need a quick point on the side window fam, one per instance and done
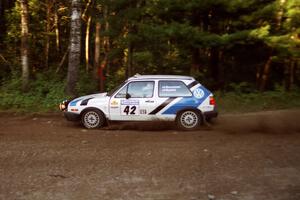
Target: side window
(141, 89)
(122, 93)
(173, 89)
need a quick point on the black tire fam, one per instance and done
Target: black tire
(188, 120)
(92, 118)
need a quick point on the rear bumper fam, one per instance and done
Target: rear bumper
(72, 116)
(211, 114)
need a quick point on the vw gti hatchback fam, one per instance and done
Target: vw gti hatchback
(181, 99)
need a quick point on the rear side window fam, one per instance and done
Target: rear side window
(142, 89)
(139, 89)
(173, 89)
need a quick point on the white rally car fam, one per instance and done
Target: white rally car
(181, 99)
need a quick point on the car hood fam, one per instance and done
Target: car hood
(87, 97)
(98, 95)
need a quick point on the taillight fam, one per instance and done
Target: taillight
(212, 101)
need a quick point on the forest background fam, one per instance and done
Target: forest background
(247, 52)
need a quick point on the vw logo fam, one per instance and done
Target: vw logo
(198, 93)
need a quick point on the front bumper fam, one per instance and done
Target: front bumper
(72, 116)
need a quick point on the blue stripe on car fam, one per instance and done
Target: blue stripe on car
(74, 102)
(188, 102)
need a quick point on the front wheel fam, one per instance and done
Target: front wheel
(188, 120)
(92, 119)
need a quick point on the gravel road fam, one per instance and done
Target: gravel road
(254, 156)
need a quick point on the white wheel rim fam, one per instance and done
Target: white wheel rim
(91, 119)
(189, 119)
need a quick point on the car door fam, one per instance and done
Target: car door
(134, 101)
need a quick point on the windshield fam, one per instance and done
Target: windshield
(115, 89)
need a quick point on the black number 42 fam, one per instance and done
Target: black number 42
(129, 110)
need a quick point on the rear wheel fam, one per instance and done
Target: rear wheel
(188, 120)
(93, 118)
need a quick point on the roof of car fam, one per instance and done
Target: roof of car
(138, 76)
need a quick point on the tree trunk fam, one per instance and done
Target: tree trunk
(292, 73)
(279, 14)
(214, 66)
(106, 46)
(289, 75)
(221, 69)
(258, 75)
(84, 15)
(97, 50)
(47, 38)
(24, 44)
(88, 19)
(2, 20)
(217, 70)
(87, 44)
(102, 73)
(56, 24)
(262, 74)
(128, 60)
(195, 67)
(265, 75)
(75, 47)
(62, 61)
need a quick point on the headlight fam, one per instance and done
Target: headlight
(63, 106)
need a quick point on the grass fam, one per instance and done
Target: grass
(232, 102)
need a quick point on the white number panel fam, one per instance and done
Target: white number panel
(130, 107)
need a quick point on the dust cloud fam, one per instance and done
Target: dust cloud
(273, 122)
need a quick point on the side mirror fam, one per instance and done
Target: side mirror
(127, 96)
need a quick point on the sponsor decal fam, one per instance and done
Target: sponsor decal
(170, 88)
(198, 93)
(130, 102)
(114, 103)
(143, 111)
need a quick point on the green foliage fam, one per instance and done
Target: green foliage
(241, 88)
(13, 17)
(45, 94)
(235, 101)
(86, 85)
(113, 81)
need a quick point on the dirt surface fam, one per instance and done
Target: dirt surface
(247, 156)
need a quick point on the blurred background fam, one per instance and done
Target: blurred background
(247, 52)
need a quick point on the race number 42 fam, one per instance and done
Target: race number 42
(130, 110)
